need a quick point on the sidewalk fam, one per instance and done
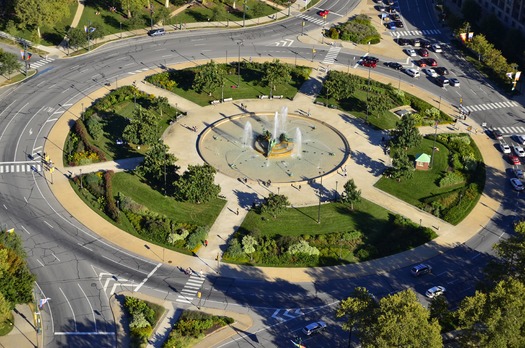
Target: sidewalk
(24, 333)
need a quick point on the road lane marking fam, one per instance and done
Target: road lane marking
(24, 227)
(90, 306)
(147, 277)
(101, 333)
(47, 223)
(70, 307)
(52, 253)
(40, 262)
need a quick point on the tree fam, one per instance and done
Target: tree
(76, 37)
(402, 167)
(494, 319)
(511, 257)
(406, 134)
(208, 78)
(274, 204)
(351, 193)
(218, 12)
(248, 244)
(8, 63)
(132, 6)
(197, 184)
(156, 162)
(5, 309)
(358, 310)
(142, 128)
(377, 104)
(36, 13)
(258, 10)
(339, 85)
(439, 310)
(400, 321)
(276, 73)
(303, 248)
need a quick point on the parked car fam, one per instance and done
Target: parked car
(441, 70)
(504, 148)
(395, 17)
(514, 159)
(519, 174)
(420, 269)
(422, 63)
(430, 72)
(436, 48)
(313, 328)
(157, 32)
(518, 150)
(416, 42)
(497, 134)
(442, 81)
(410, 52)
(323, 13)
(425, 43)
(399, 24)
(369, 63)
(431, 62)
(394, 65)
(402, 42)
(454, 82)
(516, 184)
(436, 291)
(391, 25)
(520, 139)
(423, 52)
(370, 58)
(412, 72)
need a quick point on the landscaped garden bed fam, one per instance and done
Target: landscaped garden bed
(143, 316)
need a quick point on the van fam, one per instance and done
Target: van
(312, 328)
(420, 270)
(157, 32)
(442, 81)
(412, 72)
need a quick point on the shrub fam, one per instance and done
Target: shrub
(178, 236)
(451, 178)
(197, 237)
(94, 127)
(303, 248)
(111, 207)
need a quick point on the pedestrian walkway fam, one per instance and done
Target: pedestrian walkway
(20, 167)
(191, 288)
(429, 32)
(331, 55)
(491, 106)
(23, 334)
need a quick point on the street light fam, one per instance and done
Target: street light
(151, 14)
(243, 13)
(319, 208)
(240, 43)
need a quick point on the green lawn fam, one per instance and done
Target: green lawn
(7, 326)
(425, 181)
(198, 214)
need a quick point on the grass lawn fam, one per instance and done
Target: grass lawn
(198, 214)
(7, 326)
(425, 181)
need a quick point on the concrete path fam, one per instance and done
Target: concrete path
(23, 334)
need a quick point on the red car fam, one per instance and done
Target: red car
(422, 63)
(431, 62)
(514, 160)
(369, 63)
(423, 52)
(323, 13)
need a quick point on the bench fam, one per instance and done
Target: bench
(263, 97)
(214, 102)
(277, 97)
(227, 99)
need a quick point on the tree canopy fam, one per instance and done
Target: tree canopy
(276, 73)
(351, 194)
(197, 184)
(142, 128)
(208, 77)
(35, 13)
(406, 134)
(157, 162)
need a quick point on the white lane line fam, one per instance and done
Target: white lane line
(40, 262)
(25, 229)
(70, 307)
(83, 246)
(100, 333)
(90, 306)
(52, 253)
(4, 206)
(51, 120)
(47, 223)
(147, 277)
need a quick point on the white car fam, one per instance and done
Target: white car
(312, 328)
(518, 150)
(435, 291)
(412, 72)
(430, 72)
(410, 52)
(436, 48)
(516, 184)
(454, 82)
(505, 148)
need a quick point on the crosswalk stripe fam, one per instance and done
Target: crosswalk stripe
(500, 105)
(12, 168)
(483, 106)
(182, 300)
(1, 169)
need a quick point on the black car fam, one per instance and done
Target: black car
(441, 70)
(425, 44)
(399, 24)
(395, 17)
(415, 42)
(394, 65)
(402, 42)
(370, 59)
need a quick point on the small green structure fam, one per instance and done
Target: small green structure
(422, 161)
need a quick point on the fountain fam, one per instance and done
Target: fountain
(273, 146)
(247, 138)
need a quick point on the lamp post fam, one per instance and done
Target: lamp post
(243, 13)
(289, 7)
(434, 145)
(151, 14)
(368, 90)
(302, 27)
(319, 207)
(81, 187)
(240, 43)
(120, 23)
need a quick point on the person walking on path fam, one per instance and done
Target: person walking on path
(205, 242)
(237, 211)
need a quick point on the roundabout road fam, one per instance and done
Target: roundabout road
(79, 271)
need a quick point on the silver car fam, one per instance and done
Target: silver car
(435, 291)
(312, 328)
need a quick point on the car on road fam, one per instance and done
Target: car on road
(516, 184)
(505, 148)
(421, 269)
(399, 24)
(391, 25)
(157, 32)
(422, 63)
(394, 65)
(497, 134)
(410, 52)
(435, 291)
(519, 174)
(416, 42)
(454, 82)
(518, 150)
(369, 63)
(389, 2)
(425, 43)
(513, 159)
(520, 139)
(436, 48)
(323, 13)
(441, 70)
(423, 52)
(313, 328)
(442, 81)
(395, 17)
(370, 58)
(402, 42)
(431, 62)
(412, 72)
(430, 72)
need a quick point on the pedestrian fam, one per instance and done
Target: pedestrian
(205, 243)
(299, 187)
(237, 211)
(201, 273)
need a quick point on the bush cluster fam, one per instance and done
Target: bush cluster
(142, 317)
(79, 149)
(358, 29)
(111, 206)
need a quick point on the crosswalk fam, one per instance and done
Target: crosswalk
(41, 62)
(510, 130)
(191, 288)
(316, 20)
(399, 33)
(24, 167)
(331, 55)
(490, 106)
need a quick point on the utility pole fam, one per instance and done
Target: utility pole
(151, 14)
(319, 207)
(240, 43)
(243, 13)
(434, 145)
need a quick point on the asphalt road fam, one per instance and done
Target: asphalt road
(78, 271)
